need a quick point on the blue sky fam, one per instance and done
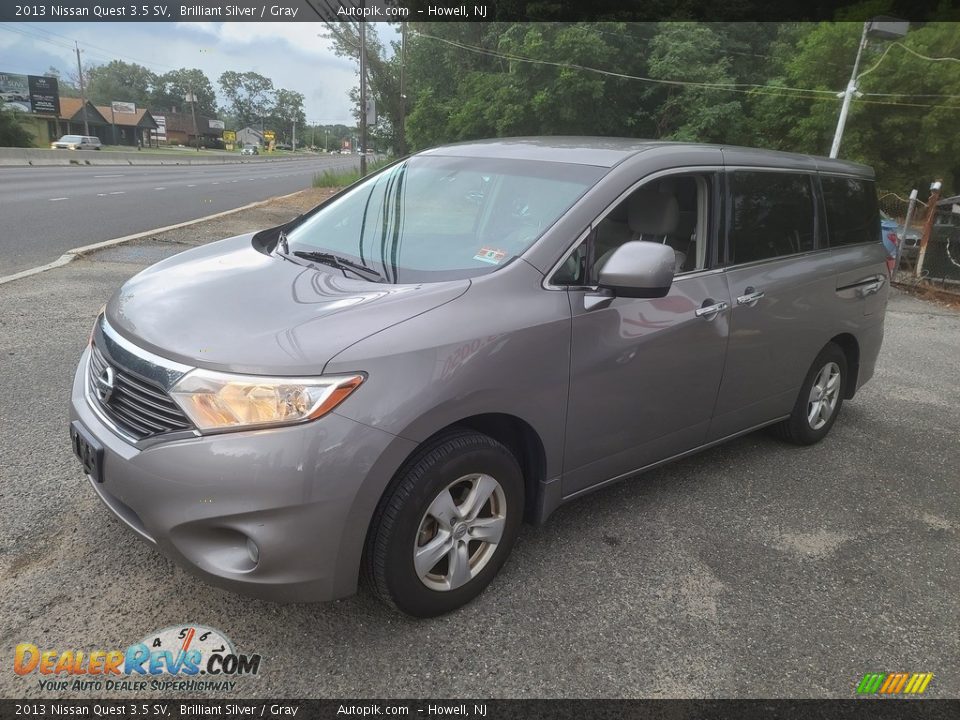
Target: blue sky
(290, 54)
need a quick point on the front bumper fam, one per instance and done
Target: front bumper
(303, 494)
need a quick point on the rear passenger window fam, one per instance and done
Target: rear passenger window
(771, 215)
(852, 212)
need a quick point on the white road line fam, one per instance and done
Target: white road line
(216, 183)
(101, 194)
(55, 199)
(106, 176)
(160, 188)
(118, 192)
(233, 181)
(191, 185)
(72, 255)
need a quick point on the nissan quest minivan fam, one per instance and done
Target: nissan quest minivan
(389, 385)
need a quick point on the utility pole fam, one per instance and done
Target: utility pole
(848, 94)
(906, 227)
(402, 144)
(363, 91)
(83, 97)
(881, 28)
(293, 145)
(193, 111)
(928, 225)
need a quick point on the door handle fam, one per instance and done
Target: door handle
(709, 312)
(751, 298)
(872, 287)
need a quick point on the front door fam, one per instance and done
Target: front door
(644, 373)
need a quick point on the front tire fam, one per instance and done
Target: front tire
(820, 399)
(446, 525)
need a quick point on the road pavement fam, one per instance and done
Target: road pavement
(755, 569)
(45, 211)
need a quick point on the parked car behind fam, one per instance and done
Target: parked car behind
(250, 150)
(891, 233)
(391, 383)
(76, 142)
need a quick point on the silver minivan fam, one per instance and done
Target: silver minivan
(389, 385)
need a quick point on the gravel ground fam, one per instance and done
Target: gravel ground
(754, 569)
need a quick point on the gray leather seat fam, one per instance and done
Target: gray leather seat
(652, 216)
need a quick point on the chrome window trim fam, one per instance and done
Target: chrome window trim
(689, 170)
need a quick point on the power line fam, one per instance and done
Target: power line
(111, 54)
(748, 88)
(736, 87)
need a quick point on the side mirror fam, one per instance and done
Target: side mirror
(639, 269)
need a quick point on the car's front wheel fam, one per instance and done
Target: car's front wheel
(447, 524)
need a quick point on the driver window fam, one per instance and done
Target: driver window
(672, 210)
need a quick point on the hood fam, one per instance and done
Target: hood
(227, 306)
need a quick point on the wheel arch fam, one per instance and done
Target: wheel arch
(851, 349)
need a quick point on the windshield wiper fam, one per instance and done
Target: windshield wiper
(341, 263)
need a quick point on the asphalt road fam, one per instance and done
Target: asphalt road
(755, 569)
(46, 211)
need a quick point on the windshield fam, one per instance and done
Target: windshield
(428, 219)
(70, 138)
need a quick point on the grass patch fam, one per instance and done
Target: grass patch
(344, 176)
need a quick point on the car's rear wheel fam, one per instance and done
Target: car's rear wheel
(820, 399)
(447, 524)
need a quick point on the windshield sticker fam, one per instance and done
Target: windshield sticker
(489, 255)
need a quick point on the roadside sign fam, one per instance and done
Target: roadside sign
(30, 93)
(215, 124)
(269, 135)
(123, 107)
(161, 132)
(229, 136)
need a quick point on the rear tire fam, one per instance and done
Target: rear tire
(819, 401)
(446, 525)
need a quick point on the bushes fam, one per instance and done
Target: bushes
(12, 133)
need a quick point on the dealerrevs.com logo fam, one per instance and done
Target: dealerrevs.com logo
(178, 658)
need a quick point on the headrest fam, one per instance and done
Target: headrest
(653, 213)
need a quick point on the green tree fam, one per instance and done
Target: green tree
(287, 109)
(173, 87)
(249, 96)
(688, 52)
(12, 133)
(902, 124)
(120, 81)
(383, 78)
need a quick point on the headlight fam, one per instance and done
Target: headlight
(222, 401)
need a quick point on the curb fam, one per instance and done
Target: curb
(79, 252)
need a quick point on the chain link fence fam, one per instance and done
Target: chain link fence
(941, 261)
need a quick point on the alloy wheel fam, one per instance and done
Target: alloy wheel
(823, 396)
(459, 532)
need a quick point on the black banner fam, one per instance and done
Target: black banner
(468, 10)
(490, 709)
(44, 94)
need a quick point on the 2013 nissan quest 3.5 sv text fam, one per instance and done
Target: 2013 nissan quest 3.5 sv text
(390, 384)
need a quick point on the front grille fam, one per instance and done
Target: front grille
(138, 407)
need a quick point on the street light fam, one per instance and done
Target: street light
(880, 28)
